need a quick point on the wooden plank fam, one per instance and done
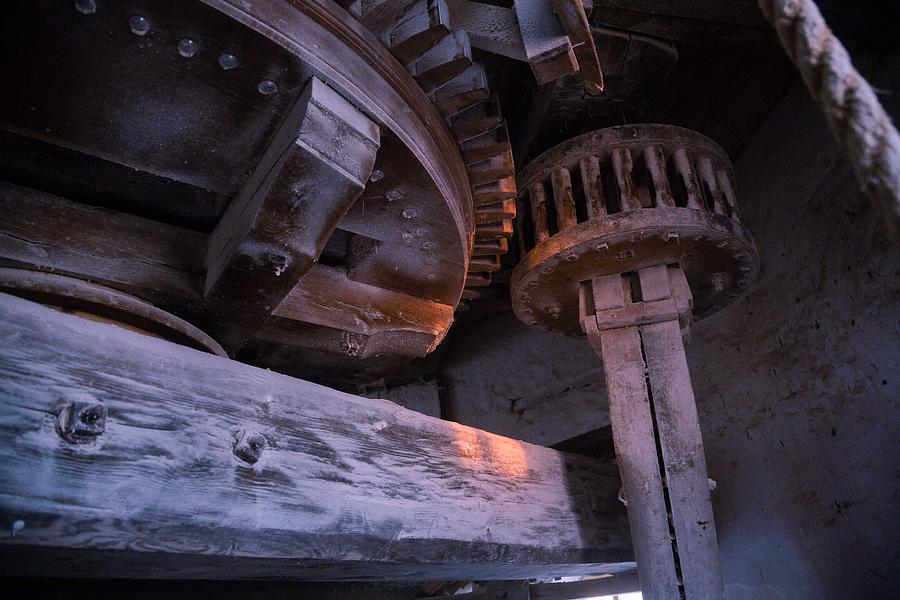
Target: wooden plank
(656, 166)
(623, 168)
(342, 487)
(422, 25)
(275, 230)
(563, 199)
(571, 14)
(538, 199)
(632, 425)
(447, 59)
(593, 186)
(151, 260)
(326, 296)
(683, 459)
(589, 588)
(688, 178)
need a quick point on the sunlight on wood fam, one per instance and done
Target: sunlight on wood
(495, 452)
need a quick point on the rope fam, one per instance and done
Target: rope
(853, 112)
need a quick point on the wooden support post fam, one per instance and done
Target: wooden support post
(126, 456)
(656, 432)
(270, 236)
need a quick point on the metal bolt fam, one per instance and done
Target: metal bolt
(717, 282)
(81, 419)
(86, 7)
(625, 254)
(249, 445)
(279, 262)
(139, 24)
(187, 47)
(228, 61)
(267, 87)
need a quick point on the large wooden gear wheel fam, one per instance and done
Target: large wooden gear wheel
(284, 175)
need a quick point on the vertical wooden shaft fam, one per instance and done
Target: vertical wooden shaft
(659, 448)
(678, 429)
(634, 440)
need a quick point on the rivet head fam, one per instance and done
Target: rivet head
(670, 236)
(249, 446)
(228, 61)
(625, 254)
(531, 285)
(267, 87)
(394, 195)
(717, 282)
(279, 262)
(86, 7)
(377, 175)
(187, 47)
(410, 213)
(602, 246)
(140, 25)
(571, 257)
(81, 419)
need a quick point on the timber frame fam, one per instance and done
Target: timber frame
(168, 462)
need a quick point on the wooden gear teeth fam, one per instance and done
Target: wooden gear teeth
(620, 199)
(441, 62)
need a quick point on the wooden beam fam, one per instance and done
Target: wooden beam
(416, 325)
(622, 583)
(152, 260)
(188, 465)
(270, 236)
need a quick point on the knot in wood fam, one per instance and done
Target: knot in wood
(249, 445)
(81, 419)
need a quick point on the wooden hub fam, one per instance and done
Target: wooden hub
(621, 199)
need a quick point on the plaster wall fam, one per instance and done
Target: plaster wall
(797, 383)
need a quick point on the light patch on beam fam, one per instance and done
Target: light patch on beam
(487, 450)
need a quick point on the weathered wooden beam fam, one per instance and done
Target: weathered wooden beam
(152, 260)
(273, 232)
(181, 464)
(415, 325)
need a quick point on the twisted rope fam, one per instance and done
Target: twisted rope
(853, 112)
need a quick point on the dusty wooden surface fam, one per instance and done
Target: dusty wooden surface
(342, 487)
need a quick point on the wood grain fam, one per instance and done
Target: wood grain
(344, 487)
(683, 459)
(152, 260)
(629, 409)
